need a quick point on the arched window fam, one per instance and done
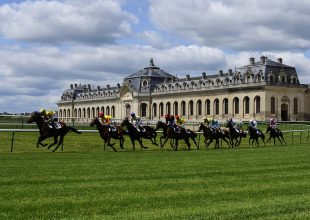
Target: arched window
(143, 109)
(176, 108)
(295, 103)
(191, 107)
(154, 110)
(168, 108)
(102, 109)
(108, 110)
(257, 104)
(199, 107)
(236, 105)
(216, 107)
(97, 111)
(80, 113)
(113, 112)
(93, 112)
(225, 104)
(68, 113)
(88, 112)
(273, 105)
(65, 113)
(208, 107)
(161, 109)
(246, 102)
(183, 107)
(84, 113)
(75, 113)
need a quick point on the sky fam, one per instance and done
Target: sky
(47, 45)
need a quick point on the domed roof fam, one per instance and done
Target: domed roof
(150, 71)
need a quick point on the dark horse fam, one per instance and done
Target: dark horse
(213, 135)
(235, 134)
(133, 133)
(106, 135)
(255, 134)
(170, 133)
(149, 133)
(47, 132)
(275, 133)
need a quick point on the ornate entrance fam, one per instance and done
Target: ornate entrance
(128, 111)
(284, 112)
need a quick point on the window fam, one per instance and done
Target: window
(175, 108)
(295, 106)
(144, 84)
(161, 109)
(273, 105)
(217, 106)
(113, 112)
(168, 108)
(225, 103)
(143, 109)
(199, 107)
(191, 108)
(208, 107)
(246, 105)
(154, 110)
(108, 110)
(183, 107)
(257, 104)
(236, 105)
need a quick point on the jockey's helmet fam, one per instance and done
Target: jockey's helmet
(101, 114)
(166, 116)
(42, 110)
(132, 114)
(177, 116)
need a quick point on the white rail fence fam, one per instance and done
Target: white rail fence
(96, 131)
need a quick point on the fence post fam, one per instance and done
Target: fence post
(300, 136)
(292, 136)
(12, 141)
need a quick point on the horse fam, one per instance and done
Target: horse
(213, 135)
(235, 134)
(255, 134)
(170, 133)
(106, 135)
(149, 133)
(133, 133)
(46, 131)
(275, 133)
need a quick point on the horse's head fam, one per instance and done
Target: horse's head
(159, 125)
(35, 117)
(95, 121)
(201, 126)
(125, 123)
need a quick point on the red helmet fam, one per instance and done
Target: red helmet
(101, 114)
(177, 116)
(166, 116)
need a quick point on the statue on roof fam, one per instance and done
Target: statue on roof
(151, 62)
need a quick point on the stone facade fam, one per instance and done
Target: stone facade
(258, 90)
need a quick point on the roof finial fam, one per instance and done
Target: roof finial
(151, 62)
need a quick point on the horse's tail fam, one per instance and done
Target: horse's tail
(74, 130)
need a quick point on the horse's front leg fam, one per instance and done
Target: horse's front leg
(61, 139)
(41, 138)
(55, 142)
(141, 145)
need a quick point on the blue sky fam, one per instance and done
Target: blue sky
(47, 45)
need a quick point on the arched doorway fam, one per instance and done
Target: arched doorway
(128, 111)
(284, 112)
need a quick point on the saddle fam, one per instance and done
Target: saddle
(57, 125)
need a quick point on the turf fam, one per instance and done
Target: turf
(85, 182)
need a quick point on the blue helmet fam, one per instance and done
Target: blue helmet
(132, 114)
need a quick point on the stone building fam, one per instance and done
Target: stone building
(261, 89)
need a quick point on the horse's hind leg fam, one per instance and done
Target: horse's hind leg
(283, 139)
(140, 141)
(41, 138)
(61, 140)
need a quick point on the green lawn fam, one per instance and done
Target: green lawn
(85, 182)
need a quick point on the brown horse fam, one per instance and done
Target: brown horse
(170, 133)
(275, 133)
(133, 133)
(211, 135)
(106, 134)
(46, 131)
(235, 134)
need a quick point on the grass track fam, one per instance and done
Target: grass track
(84, 182)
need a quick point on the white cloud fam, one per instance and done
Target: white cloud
(240, 25)
(97, 21)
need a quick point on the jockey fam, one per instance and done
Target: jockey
(179, 122)
(215, 126)
(48, 117)
(253, 123)
(167, 117)
(206, 121)
(273, 123)
(136, 121)
(105, 120)
(235, 125)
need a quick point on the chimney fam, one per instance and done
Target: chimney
(75, 85)
(89, 86)
(230, 72)
(263, 59)
(108, 86)
(203, 75)
(280, 60)
(188, 77)
(221, 73)
(71, 86)
(98, 88)
(252, 61)
(118, 85)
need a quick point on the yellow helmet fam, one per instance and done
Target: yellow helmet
(42, 110)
